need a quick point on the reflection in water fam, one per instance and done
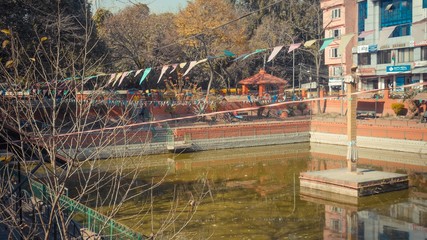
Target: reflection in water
(254, 193)
(386, 216)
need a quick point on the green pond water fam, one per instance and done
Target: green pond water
(254, 193)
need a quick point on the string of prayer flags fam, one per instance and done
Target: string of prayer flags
(293, 46)
(252, 53)
(123, 77)
(144, 75)
(203, 60)
(173, 67)
(385, 33)
(229, 54)
(274, 53)
(192, 64)
(345, 39)
(164, 68)
(117, 78)
(240, 57)
(113, 76)
(310, 43)
(137, 72)
(182, 65)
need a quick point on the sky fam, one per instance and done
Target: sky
(156, 6)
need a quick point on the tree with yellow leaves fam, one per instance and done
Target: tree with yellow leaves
(207, 28)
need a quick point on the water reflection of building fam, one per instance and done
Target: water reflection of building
(389, 216)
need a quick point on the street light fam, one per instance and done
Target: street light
(293, 69)
(293, 64)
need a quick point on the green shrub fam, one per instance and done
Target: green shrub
(397, 108)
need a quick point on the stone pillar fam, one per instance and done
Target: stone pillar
(351, 83)
(351, 127)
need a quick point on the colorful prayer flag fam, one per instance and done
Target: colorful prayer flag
(229, 54)
(326, 42)
(345, 39)
(275, 51)
(192, 64)
(146, 72)
(309, 43)
(164, 68)
(293, 46)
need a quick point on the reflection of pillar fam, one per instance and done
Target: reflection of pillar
(261, 90)
(351, 124)
(352, 221)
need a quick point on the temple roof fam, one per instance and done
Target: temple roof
(263, 78)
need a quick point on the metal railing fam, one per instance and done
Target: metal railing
(95, 221)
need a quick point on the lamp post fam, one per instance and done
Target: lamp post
(293, 64)
(293, 69)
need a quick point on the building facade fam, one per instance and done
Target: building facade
(338, 20)
(395, 58)
(389, 45)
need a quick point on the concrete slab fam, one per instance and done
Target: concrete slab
(364, 182)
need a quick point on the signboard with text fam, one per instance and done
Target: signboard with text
(397, 69)
(367, 48)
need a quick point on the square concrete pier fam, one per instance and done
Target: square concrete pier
(364, 182)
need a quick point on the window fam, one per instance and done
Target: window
(397, 13)
(405, 55)
(335, 33)
(423, 53)
(335, 71)
(364, 59)
(424, 3)
(336, 225)
(384, 57)
(402, 30)
(336, 13)
(336, 209)
(363, 14)
(333, 53)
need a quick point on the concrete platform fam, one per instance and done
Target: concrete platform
(362, 183)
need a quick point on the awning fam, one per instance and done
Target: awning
(419, 70)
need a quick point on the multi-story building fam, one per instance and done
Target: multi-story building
(339, 17)
(394, 51)
(390, 43)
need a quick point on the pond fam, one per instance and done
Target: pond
(254, 193)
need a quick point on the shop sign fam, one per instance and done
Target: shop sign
(367, 48)
(367, 71)
(401, 68)
(335, 81)
(420, 64)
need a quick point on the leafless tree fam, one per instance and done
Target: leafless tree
(61, 120)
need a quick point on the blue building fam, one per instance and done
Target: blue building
(392, 48)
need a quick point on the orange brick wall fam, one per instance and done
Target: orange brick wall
(408, 130)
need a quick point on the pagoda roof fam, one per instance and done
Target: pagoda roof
(263, 78)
